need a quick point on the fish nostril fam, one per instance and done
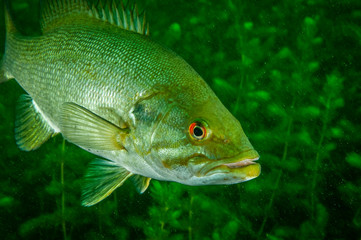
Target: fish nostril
(226, 141)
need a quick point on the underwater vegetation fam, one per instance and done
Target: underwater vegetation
(290, 71)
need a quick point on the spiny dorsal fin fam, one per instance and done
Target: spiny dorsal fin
(112, 11)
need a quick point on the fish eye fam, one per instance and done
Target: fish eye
(197, 130)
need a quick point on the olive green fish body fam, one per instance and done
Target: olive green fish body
(97, 78)
(86, 61)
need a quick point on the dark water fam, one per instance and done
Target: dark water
(290, 71)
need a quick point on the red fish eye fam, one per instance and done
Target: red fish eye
(197, 130)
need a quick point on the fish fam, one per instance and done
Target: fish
(95, 76)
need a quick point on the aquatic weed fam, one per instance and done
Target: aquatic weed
(289, 71)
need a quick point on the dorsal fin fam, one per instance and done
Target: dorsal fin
(112, 11)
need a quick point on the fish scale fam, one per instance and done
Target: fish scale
(108, 88)
(65, 74)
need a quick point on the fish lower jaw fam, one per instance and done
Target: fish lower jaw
(242, 163)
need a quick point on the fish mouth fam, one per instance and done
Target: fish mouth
(239, 168)
(242, 163)
(242, 170)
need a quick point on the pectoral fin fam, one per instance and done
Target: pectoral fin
(101, 179)
(88, 130)
(32, 128)
(141, 183)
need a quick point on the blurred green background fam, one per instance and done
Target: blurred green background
(289, 70)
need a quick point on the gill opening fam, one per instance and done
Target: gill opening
(159, 119)
(156, 163)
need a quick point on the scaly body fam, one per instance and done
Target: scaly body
(119, 95)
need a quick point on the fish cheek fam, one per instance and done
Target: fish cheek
(179, 161)
(166, 164)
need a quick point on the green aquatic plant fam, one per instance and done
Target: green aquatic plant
(290, 71)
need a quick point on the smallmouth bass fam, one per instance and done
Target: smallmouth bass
(96, 77)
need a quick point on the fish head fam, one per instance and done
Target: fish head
(204, 144)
